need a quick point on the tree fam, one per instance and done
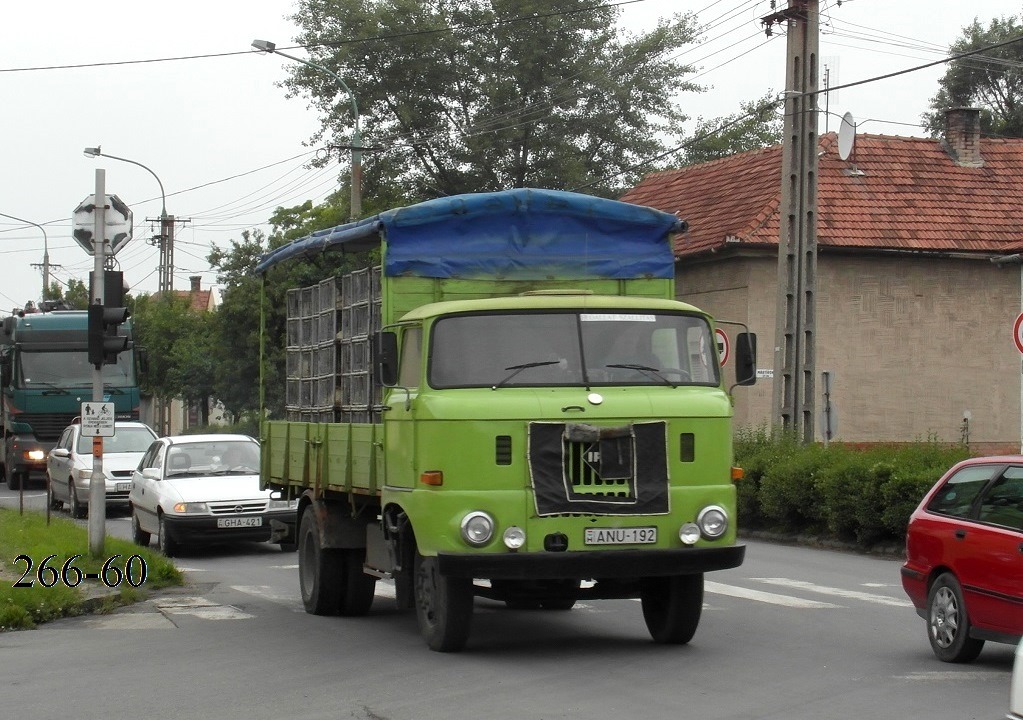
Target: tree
(756, 125)
(180, 347)
(467, 96)
(991, 81)
(76, 296)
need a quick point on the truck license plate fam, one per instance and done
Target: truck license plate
(239, 522)
(620, 536)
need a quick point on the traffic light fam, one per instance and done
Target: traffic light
(104, 342)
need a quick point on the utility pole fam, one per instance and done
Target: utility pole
(795, 341)
(97, 484)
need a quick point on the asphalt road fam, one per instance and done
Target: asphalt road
(792, 633)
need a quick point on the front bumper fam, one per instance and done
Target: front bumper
(115, 492)
(203, 528)
(596, 564)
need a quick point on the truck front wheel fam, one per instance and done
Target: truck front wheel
(443, 606)
(672, 606)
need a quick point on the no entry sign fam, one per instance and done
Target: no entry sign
(1017, 329)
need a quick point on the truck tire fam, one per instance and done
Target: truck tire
(321, 572)
(672, 607)
(443, 606)
(359, 588)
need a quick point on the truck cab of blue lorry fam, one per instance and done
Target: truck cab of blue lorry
(45, 376)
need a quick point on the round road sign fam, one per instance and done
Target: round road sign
(723, 347)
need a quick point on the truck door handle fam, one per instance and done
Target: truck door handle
(960, 534)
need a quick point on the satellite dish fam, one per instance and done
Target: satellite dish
(846, 136)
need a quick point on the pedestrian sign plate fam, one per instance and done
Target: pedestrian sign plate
(98, 419)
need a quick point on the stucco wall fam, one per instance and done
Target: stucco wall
(913, 344)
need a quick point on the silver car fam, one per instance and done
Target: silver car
(69, 465)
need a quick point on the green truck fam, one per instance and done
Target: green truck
(45, 376)
(513, 406)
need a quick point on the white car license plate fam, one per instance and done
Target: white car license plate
(239, 522)
(620, 536)
(123, 487)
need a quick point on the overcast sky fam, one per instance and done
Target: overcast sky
(174, 86)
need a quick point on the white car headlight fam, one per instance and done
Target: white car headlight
(191, 507)
(283, 504)
(713, 521)
(477, 528)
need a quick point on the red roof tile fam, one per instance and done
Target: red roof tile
(910, 196)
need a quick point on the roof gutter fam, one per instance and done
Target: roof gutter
(1014, 259)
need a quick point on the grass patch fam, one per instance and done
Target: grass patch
(28, 535)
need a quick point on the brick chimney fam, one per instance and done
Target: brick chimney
(962, 136)
(194, 279)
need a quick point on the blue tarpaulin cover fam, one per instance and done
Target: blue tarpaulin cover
(522, 234)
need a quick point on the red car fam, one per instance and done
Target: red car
(964, 557)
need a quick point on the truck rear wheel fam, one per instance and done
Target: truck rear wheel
(672, 607)
(359, 588)
(443, 606)
(320, 571)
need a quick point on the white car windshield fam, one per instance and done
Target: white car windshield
(215, 457)
(124, 440)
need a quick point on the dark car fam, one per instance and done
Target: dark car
(964, 557)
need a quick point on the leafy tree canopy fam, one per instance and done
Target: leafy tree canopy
(991, 81)
(469, 96)
(758, 124)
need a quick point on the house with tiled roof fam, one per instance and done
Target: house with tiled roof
(918, 277)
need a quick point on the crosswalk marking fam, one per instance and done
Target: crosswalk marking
(836, 592)
(764, 597)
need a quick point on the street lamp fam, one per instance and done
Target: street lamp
(356, 148)
(166, 282)
(46, 254)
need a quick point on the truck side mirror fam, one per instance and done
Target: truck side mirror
(142, 358)
(746, 359)
(8, 325)
(387, 358)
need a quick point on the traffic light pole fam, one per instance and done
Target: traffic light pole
(97, 485)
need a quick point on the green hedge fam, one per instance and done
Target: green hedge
(862, 495)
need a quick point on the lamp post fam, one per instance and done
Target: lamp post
(166, 282)
(46, 254)
(356, 148)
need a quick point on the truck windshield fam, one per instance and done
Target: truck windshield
(71, 369)
(572, 348)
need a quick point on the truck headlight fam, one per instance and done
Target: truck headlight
(276, 504)
(477, 528)
(35, 455)
(514, 538)
(713, 521)
(689, 533)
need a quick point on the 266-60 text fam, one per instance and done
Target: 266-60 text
(46, 574)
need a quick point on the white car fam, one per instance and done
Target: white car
(202, 489)
(69, 465)
(1016, 689)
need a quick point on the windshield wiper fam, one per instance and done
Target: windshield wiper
(56, 389)
(525, 366)
(114, 390)
(644, 368)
